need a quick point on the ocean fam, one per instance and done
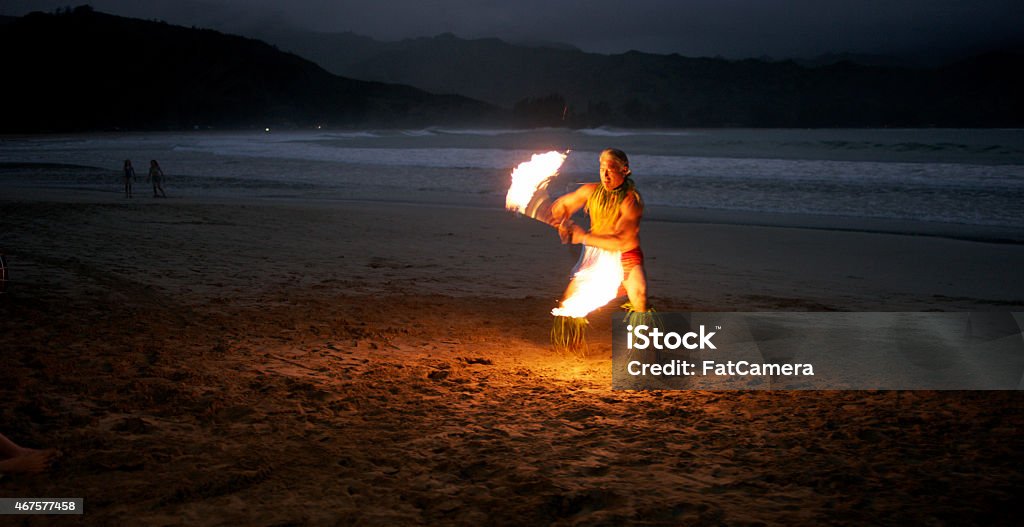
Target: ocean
(933, 178)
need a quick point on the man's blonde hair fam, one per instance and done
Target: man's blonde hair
(619, 156)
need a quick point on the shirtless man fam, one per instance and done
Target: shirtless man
(615, 209)
(14, 458)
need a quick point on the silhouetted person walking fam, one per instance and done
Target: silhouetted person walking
(156, 177)
(129, 177)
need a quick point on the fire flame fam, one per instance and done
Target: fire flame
(595, 283)
(599, 272)
(530, 177)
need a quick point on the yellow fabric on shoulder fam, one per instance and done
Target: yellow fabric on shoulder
(604, 205)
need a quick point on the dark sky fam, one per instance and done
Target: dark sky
(728, 28)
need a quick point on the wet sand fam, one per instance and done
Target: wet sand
(274, 362)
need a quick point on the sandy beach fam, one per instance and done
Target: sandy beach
(211, 361)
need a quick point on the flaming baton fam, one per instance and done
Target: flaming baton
(598, 274)
(528, 194)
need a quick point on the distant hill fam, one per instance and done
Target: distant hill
(862, 59)
(84, 70)
(552, 85)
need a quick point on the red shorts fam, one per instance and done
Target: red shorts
(631, 259)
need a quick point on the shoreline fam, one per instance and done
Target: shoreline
(996, 234)
(692, 264)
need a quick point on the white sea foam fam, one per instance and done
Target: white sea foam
(384, 156)
(350, 135)
(417, 133)
(605, 131)
(492, 132)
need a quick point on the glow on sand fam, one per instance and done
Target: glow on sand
(599, 272)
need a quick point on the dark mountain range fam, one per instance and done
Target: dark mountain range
(84, 70)
(551, 85)
(863, 59)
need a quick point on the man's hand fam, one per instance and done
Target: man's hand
(569, 232)
(565, 231)
(578, 234)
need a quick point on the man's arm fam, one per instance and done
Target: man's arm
(624, 237)
(564, 207)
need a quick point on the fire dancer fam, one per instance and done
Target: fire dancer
(615, 210)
